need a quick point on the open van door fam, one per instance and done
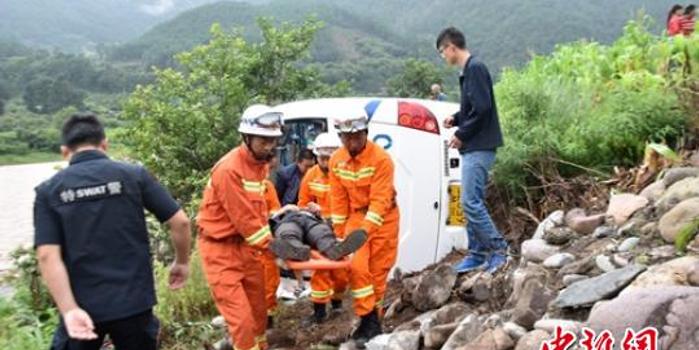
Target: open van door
(411, 134)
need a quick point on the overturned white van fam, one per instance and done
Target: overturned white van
(427, 171)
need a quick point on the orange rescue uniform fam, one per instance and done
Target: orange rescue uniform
(272, 277)
(362, 195)
(325, 284)
(233, 231)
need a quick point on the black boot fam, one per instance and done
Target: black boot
(349, 245)
(319, 316)
(369, 327)
(290, 249)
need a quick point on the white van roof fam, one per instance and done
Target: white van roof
(323, 107)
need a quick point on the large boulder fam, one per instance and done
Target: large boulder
(559, 235)
(622, 206)
(436, 336)
(672, 310)
(533, 340)
(583, 224)
(405, 340)
(557, 218)
(677, 218)
(677, 272)
(434, 288)
(469, 328)
(680, 191)
(677, 174)
(589, 291)
(654, 191)
(491, 339)
(559, 260)
(532, 303)
(537, 250)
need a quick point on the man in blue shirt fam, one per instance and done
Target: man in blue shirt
(288, 179)
(93, 247)
(477, 138)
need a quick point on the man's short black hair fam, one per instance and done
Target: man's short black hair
(452, 36)
(689, 9)
(305, 154)
(82, 129)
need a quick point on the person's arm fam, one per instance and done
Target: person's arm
(478, 87)
(306, 197)
(339, 202)
(229, 189)
(381, 196)
(48, 238)
(158, 201)
(78, 323)
(180, 233)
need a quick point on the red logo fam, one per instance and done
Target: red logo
(646, 339)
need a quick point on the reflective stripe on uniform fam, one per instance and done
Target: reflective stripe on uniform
(254, 186)
(374, 218)
(319, 187)
(259, 236)
(363, 292)
(355, 176)
(321, 294)
(338, 219)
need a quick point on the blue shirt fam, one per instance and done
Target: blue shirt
(94, 209)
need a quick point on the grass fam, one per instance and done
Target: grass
(29, 158)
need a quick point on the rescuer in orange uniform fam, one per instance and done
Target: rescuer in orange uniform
(314, 194)
(362, 196)
(234, 231)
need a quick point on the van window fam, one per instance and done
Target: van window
(299, 134)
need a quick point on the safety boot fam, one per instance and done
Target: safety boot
(349, 245)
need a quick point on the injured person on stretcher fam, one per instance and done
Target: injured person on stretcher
(296, 232)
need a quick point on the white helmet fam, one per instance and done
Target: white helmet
(351, 119)
(261, 120)
(325, 144)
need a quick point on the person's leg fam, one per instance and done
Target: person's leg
(321, 236)
(361, 281)
(225, 266)
(272, 280)
(288, 243)
(474, 176)
(139, 332)
(489, 245)
(61, 340)
(254, 286)
(384, 252)
(340, 281)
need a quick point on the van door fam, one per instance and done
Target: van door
(415, 147)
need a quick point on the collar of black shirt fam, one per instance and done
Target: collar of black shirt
(88, 155)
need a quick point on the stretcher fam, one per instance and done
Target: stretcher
(318, 262)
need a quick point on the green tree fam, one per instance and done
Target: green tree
(415, 79)
(187, 119)
(46, 95)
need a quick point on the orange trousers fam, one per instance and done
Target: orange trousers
(237, 282)
(372, 262)
(328, 284)
(272, 280)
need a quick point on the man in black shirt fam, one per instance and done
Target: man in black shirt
(477, 138)
(93, 247)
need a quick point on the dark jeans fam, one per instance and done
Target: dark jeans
(139, 332)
